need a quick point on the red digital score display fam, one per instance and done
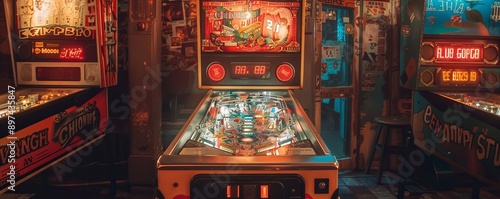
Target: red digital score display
(458, 53)
(71, 53)
(250, 71)
(57, 52)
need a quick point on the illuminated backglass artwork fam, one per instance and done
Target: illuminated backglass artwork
(462, 17)
(56, 18)
(250, 26)
(61, 30)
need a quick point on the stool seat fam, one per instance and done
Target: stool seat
(401, 125)
(394, 121)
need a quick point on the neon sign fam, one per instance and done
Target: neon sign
(458, 53)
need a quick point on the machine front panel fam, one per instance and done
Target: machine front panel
(460, 127)
(307, 182)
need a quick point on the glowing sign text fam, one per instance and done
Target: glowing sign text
(71, 53)
(459, 76)
(55, 31)
(449, 53)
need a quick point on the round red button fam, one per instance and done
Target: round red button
(216, 72)
(285, 72)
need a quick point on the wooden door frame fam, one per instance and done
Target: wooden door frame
(350, 162)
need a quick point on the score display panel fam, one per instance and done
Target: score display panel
(251, 43)
(459, 62)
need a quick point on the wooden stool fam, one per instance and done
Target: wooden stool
(385, 125)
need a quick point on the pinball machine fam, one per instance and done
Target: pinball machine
(63, 57)
(450, 59)
(249, 137)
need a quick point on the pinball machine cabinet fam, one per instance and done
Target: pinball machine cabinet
(249, 137)
(450, 59)
(63, 56)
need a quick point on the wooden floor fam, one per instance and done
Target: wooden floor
(358, 185)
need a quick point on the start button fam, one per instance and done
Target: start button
(216, 72)
(285, 72)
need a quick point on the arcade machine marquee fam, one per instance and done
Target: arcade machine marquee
(63, 56)
(249, 137)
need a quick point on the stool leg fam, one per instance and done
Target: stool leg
(372, 150)
(382, 158)
(401, 188)
(476, 191)
(411, 139)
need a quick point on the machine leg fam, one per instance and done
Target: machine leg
(475, 191)
(174, 107)
(401, 188)
(112, 165)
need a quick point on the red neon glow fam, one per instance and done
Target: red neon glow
(71, 53)
(251, 70)
(233, 191)
(466, 53)
(264, 191)
(216, 72)
(285, 72)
